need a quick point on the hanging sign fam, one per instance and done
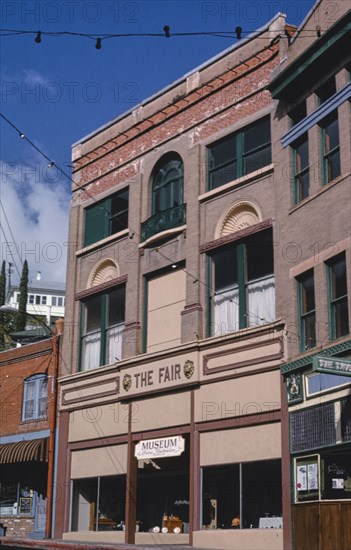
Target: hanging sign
(332, 365)
(160, 448)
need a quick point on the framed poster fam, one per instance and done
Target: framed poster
(25, 505)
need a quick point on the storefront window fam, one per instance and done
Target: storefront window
(163, 493)
(326, 476)
(307, 479)
(98, 504)
(241, 495)
(317, 383)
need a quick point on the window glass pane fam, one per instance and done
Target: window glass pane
(31, 298)
(53, 300)
(258, 159)
(43, 300)
(96, 223)
(261, 493)
(119, 212)
(60, 302)
(306, 479)
(93, 314)
(224, 175)
(8, 495)
(37, 300)
(84, 505)
(223, 152)
(220, 496)
(338, 277)
(167, 188)
(257, 135)
(307, 286)
(345, 405)
(331, 127)
(116, 306)
(225, 267)
(301, 148)
(341, 318)
(259, 255)
(336, 475)
(111, 512)
(317, 383)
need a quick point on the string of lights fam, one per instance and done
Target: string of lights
(131, 229)
(237, 33)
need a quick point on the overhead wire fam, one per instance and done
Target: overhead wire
(83, 189)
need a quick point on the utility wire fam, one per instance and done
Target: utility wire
(156, 249)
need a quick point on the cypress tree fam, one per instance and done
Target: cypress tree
(3, 283)
(23, 298)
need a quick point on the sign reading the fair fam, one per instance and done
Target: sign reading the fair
(332, 365)
(160, 448)
(161, 375)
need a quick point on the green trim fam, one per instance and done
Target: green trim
(307, 360)
(209, 296)
(104, 309)
(299, 317)
(302, 63)
(332, 327)
(241, 277)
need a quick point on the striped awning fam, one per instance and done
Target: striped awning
(24, 451)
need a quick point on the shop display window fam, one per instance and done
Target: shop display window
(241, 496)
(98, 504)
(325, 476)
(163, 496)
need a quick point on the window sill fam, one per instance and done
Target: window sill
(99, 244)
(235, 183)
(33, 420)
(323, 189)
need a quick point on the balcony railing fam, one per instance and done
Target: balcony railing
(167, 219)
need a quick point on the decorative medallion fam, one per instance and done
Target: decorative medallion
(293, 386)
(127, 382)
(188, 368)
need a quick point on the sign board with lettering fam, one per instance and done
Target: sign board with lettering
(330, 365)
(160, 448)
(160, 375)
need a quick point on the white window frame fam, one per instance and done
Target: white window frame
(38, 380)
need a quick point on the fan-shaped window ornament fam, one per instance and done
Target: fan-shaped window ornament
(105, 271)
(238, 217)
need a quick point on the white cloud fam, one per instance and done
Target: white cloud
(36, 204)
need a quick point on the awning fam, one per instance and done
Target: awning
(24, 451)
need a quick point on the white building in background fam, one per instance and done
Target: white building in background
(45, 298)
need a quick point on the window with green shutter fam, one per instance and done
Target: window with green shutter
(106, 217)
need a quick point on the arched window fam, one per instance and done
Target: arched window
(167, 183)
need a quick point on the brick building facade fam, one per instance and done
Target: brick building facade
(181, 303)
(28, 377)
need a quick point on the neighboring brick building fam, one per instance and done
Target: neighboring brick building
(312, 154)
(28, 379)
(181, 301)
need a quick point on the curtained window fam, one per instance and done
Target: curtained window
(242, 284)
(102, 328)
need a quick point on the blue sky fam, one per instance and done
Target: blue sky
(64, 88)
